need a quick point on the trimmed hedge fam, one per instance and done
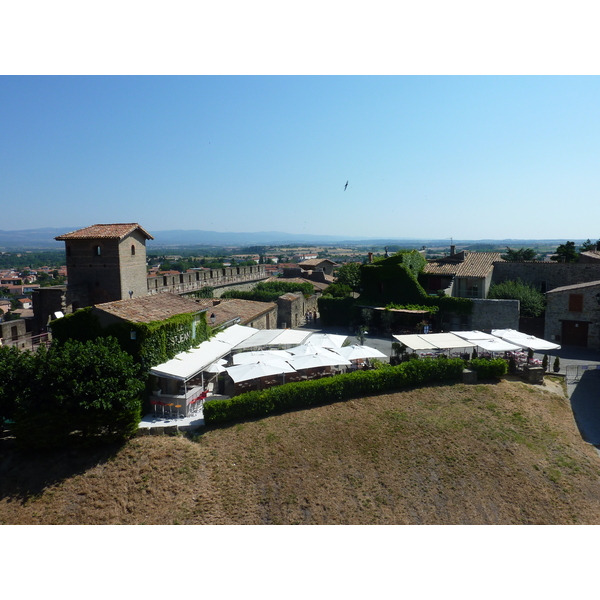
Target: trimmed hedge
(488, 368)
(303, 394)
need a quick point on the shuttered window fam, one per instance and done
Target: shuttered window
(576, 302)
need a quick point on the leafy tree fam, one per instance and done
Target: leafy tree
(349, 274)
(519, 255)
(17, 368)
(588, 245)
(79, 393)
(567, 252)
(532, 301)
(338, 290)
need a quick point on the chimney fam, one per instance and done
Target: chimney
(370, 257)
(452, 250)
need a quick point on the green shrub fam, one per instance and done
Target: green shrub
(332, 389)
(16, 370)
(79, 394)
(488, 368)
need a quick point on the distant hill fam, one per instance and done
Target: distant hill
(44, 238)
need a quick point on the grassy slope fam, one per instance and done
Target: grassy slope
(489, 453)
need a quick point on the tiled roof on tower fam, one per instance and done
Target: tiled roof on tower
(114, 231)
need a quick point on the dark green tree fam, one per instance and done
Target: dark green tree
(566, 253)
(519, 255)
(17, 368)
(588, 245)
(79, 394)
(349, 274)
(532, 301)
(338, 290)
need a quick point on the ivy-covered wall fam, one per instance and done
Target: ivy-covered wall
(150, 344)
(393, 279)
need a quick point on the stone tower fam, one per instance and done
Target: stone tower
(105, 263)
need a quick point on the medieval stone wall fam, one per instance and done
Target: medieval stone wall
(546, 275)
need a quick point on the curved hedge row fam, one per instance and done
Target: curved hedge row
(333, 389)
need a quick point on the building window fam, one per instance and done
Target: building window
(132, 249)
(97, 251)
(576, 302)
(472, 291)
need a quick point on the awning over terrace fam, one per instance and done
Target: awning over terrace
(274, 337)
(187, 364)
(525, 341)
(235, 334)
(433, 341)
(487, 341)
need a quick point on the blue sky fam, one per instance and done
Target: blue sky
(467, 157)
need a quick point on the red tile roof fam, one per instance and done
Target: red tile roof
(147, 309)
(230, 308)
(114, 231)
(475, 264)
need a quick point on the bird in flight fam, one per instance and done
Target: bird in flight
(346, 186)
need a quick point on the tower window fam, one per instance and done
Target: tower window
(97, 251)
(132, 249)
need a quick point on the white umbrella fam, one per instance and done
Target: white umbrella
(311, 361)
(246, 358)
(524, 340)
(327, 340)
(309, 349)
(257, 370)
(357, 352)
(217, 367)
(497, 345)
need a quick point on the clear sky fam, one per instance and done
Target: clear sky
(425, 156)
(434, 149)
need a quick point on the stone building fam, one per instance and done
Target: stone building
(229, 311)
(318, 264)
(462, 274)
(105, 263)
(546, 276)
(292, 309)
(13, 333)
(573, 315)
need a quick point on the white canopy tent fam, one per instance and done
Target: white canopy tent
(258, 370)
(309, 348)
(433, 341)
(312, 361)
(415, 342)
(328, 340)
(187, 364)
(246, 358)
(524, 340)
(274, 337)
(474, 335)
(487, 341)
(235, 334)
(357, 352)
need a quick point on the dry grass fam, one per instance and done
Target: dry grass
(484, 454)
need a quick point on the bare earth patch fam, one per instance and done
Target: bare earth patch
(493, 453)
